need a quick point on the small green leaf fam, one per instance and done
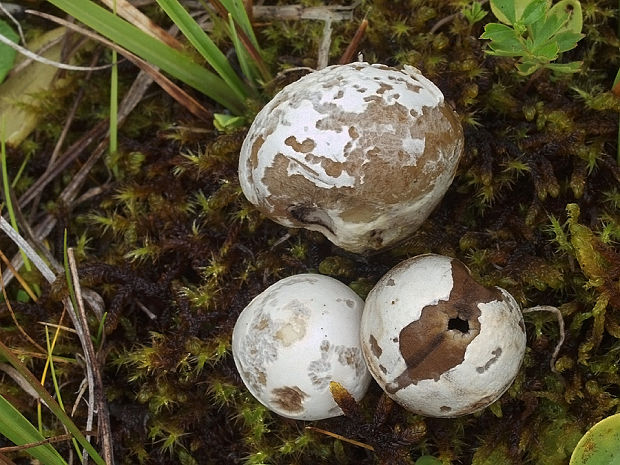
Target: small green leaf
(224, 122)
(567, 40)
(527, 67)
(547, 51)
(534, 12)
(7, 54)
(504, 39)
(474, 13)
(542, 31)
(504, 10)
(572, 67)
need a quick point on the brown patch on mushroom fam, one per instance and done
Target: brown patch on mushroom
(390, 282)
(288, 398)
(436, 342)
(303, 147)
(496, 353)
(375, 158)
(445, 408)
(258, 143)
(373, 148)
(375, 347)
(383, 87)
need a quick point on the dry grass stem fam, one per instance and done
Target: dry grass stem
(340, 437)
(347, 56)
(61, 438)
(92, 365)
(20, 381)
(127, 11)
(18, 276)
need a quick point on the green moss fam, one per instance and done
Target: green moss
(177, 252)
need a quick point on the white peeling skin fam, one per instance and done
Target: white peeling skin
(413, 295)
(294, 338)
(325, 152)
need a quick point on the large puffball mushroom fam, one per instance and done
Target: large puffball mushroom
(296, 337)
(439, 343)
(361, 153)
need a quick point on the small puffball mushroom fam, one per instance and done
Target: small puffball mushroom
(296, 337)
(361, 153)
(439, 343)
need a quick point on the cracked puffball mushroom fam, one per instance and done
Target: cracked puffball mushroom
(361, 153)
(439, 343)
(296, 337)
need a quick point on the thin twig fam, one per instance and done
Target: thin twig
(558, 314)
(55, 326)
(449, 18)
(19, 277)
(15, 22)
(30, 445)
(339, 436)
(20, 380)
(56, 64)
(28, 250)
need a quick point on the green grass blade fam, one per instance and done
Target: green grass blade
(240, 15)
(242, 55)
(173, 62)
(204, 45)
(50, 402)
(20, 431)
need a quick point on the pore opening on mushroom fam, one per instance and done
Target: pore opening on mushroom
(458, 324)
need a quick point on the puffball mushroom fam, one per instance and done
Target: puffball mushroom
(439, 343)
(296, 337)
(361, 153)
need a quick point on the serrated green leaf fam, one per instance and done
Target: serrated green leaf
(547, 51)
(504, 10)
(7, 54)
(567, 40)
(572, 67)
(504, 39)
(542, 31)
(534, 12)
